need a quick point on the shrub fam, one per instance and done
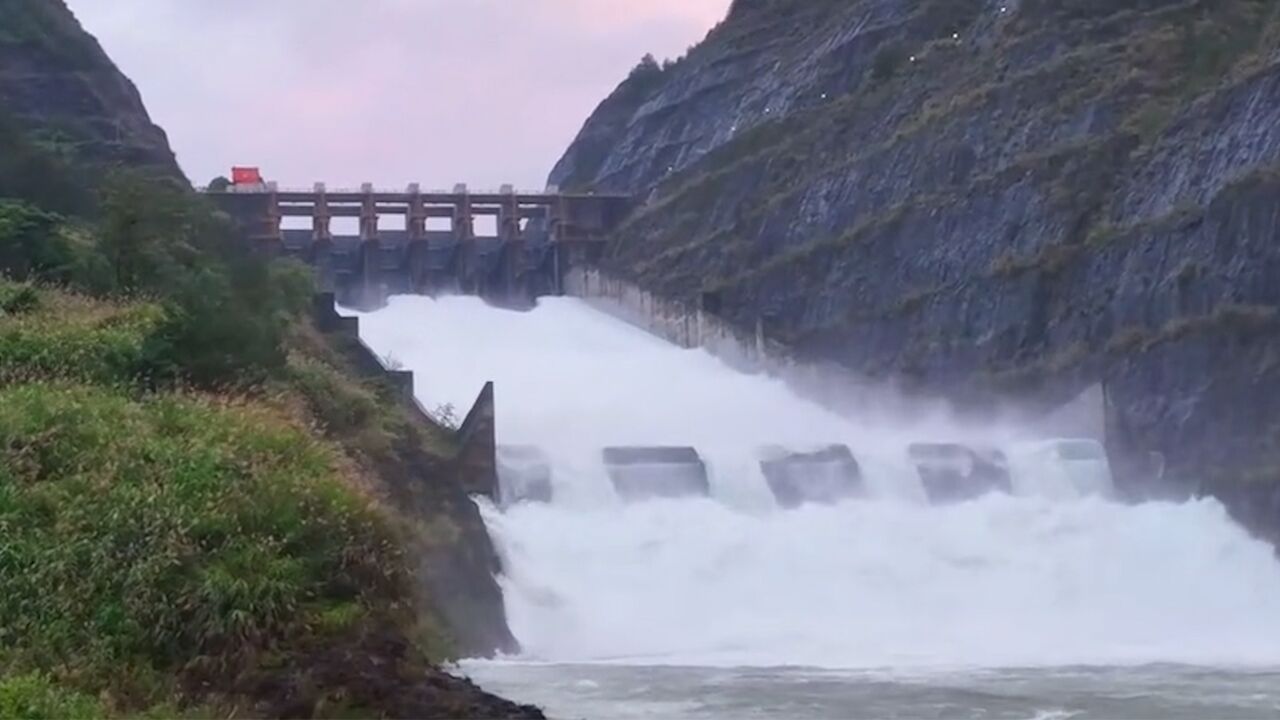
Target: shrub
(28, 241)
(347, 408)
(34, 696)
(228, 309)
(36, 245)
(17, 298)
(73, 337)
(150, 236)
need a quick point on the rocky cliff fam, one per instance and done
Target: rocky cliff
(981, 198)
(57, 83)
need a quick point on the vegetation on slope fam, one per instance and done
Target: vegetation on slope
(176, 545)
(194, 513)
(59, 335)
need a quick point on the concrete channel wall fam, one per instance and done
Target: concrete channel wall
(475, 438)
(825, 384)
(677, 322)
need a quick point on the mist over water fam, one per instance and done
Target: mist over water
(1053, 576)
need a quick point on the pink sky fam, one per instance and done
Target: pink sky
(386, 91)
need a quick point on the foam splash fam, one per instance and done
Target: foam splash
(1054, 575)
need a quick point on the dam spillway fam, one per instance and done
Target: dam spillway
(1045, 576)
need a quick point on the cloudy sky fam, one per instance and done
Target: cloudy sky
(388, 91)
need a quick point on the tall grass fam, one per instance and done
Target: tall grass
(58, 335)
(148, 542)
(35, 696)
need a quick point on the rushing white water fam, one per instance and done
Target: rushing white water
(1049, 577)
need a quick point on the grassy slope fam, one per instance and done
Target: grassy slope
(170, 540)
(199, 553)
(71, 337)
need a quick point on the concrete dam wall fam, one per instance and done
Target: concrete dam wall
(825, 383)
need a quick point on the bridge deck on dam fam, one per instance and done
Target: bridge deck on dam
(538, 236)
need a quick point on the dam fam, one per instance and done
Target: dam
(423, 241)
(706, 604)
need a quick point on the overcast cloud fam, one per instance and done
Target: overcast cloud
(388, 91)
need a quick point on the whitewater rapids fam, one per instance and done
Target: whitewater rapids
(1034, 580)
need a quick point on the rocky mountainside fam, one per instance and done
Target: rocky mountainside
(982, 197)
(58, 84)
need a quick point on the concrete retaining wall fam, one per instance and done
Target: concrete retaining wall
(476, 438)
(826, 384)
(676, 322)
(749, 351)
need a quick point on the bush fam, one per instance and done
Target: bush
(228, 308)
(149, 236)
(34, 696)
(36, 245)
(17, 298)
(71, 337)
(365, 419)
(229, 328)
(155, 541)
(28, 242)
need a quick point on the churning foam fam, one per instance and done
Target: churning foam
(1038, 579)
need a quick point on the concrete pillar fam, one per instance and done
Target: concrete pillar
(320, 215)
(556, 219)
(272, 241)
(513, 255)
(370, 282)
(464, 233)
(415, 222)
(463, 220)
(418, 252)
(509, 215)
(322, 240)
(556, 235)
(370, 254)
(418, 258)
(368, 214)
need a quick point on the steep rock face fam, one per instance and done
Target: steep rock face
(56, 81)
(983, 197)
